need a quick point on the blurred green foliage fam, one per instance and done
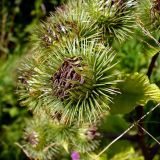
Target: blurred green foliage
(17, 19)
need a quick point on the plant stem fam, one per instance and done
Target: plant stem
(152, 65)
(121, 135)
(128, 137)
(154, 150)
(140, 135)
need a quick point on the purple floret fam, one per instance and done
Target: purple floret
(75, 155)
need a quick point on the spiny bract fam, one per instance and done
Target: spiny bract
(76, 81)
(44, 137)
(150, 14)
(67, 23)
(37, 144)
(116, 19)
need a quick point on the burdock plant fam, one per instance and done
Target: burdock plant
(115, 18)
(77, 81)
(149, 14)
(71, 81)
(68, 22)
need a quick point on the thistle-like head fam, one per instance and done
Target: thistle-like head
(68, 22)
(87, 138)
(150, 14)
(77, 81)
(37, 143)
(116, 18)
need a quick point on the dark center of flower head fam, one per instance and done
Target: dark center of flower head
(67, 78)
(32, 138)
(107, 4)
(92, 133)
(120, 2)
(56, 116)
(25, 76)
(157, 5)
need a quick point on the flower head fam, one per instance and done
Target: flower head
(116, 18)
(63, 77)
(66, 23)
(150, 14)
(37, 143)
(77, 81)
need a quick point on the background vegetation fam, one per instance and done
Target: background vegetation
(17, 18)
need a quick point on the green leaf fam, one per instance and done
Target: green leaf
(128, 154)
(152, 51)
(114, 124)
(135, 90)
(13, 112)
